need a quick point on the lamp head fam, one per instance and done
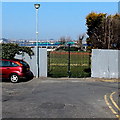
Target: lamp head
(36, 6)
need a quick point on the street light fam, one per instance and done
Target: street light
(37, 6)
(37, 48)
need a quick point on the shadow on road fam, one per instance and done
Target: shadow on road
(21, 80)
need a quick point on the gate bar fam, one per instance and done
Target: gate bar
(69, 73)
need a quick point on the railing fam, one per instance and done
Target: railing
(69, 63)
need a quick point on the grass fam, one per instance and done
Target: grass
(79, 64)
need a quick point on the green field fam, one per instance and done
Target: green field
(79, 64)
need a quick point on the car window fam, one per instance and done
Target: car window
(0, 63)
(5, 63)
(24, 63)
(13, 64)
(9, 64)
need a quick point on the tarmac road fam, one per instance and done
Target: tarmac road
(57, 98)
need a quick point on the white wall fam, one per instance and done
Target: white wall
(105, 63)
(32, 62)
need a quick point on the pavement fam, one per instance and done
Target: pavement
(61, 98)
(114, 97)
(81, 79)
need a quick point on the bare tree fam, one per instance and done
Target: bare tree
(68, 39)
(111, 26)
(79, 41)
(62, 40)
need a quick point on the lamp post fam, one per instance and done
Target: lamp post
(37, 48)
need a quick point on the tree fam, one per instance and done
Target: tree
(62, 40)
(93, 22)
(9, 50)
(79, 41)
(68, 39)
(111, 34)
(103, 30)
(116, 31)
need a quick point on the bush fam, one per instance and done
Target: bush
(9, 50)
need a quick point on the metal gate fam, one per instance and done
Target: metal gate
(69, 64)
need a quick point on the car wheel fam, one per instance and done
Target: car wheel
(14, 78)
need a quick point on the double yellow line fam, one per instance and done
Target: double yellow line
(114, 103)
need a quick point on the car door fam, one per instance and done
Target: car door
(0, 69)
(5, 69)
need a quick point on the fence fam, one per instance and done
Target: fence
(69, 63)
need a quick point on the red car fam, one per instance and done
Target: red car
(14, 70)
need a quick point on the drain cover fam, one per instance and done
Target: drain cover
(49, 105)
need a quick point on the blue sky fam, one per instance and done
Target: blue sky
(56, 19)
